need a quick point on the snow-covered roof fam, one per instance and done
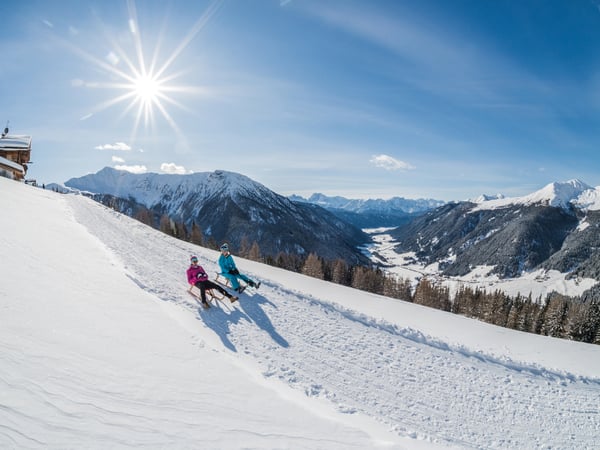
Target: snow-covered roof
(15, 142)
(13, 165)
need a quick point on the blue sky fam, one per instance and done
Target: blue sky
(364, 99)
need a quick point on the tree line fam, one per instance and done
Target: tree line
(556, 315)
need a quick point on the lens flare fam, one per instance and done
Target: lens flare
(148, 87)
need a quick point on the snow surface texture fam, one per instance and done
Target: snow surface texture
(101, 347)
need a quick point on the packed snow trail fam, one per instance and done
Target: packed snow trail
(419, 387)
(88, 360)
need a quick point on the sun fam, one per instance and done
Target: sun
(146, 83)
(147, 89)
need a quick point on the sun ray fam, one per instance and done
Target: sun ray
(147, 84)
(200, 23)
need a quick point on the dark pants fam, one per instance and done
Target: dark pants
(204, 285)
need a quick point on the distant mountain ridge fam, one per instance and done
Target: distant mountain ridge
(372, 213)
(574, 193)
(229, 207)
(556, 227)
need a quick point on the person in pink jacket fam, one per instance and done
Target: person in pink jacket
(197, 277)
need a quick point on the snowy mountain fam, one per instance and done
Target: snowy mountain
(562, 195)
(228, 207)
(101, 347)
(372, 213)
(485, 197)
(371, 205)
(552, 228)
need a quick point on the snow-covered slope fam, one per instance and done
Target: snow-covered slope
(101, 347)
(230, 207)
(152, 188)
(559, 194)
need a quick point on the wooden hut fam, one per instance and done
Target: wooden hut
(15, 154)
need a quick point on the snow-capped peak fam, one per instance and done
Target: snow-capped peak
(558, 194)
(151, 188)
(486, 198)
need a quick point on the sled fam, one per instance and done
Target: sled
(212, 295)
(224, 281)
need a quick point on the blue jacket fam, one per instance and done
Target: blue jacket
(226, 263)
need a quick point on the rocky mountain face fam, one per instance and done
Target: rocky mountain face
(580, 251)
(554, 228)
(229, 207)
(372, 213)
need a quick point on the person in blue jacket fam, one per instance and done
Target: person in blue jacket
(231, 272)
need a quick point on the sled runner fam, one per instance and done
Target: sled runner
(212, 295)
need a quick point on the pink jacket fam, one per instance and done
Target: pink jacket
(196, 273)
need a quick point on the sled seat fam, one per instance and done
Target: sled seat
(222, 279)
(211, 294)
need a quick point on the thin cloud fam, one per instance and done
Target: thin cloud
(434, 57)
(116, 146)
(133, 169)
(172, 168)
(389, 163)
(118, 159)
(112, 58)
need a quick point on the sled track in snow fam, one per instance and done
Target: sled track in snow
(411, 378)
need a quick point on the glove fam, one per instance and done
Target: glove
(234, 272)
(201, 275)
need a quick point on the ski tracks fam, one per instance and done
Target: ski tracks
(419, 387)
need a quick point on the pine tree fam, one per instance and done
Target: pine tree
(583, 322)
(254, 252)
(340, 273)
(496, 307)
(390, 286)
(425, 293)
(514, 313)
(196, 235)
(181, 231)
(443, 298)
(405, 290)
(145, 216)
(459, 305)
(165, 224)
(359, 278)
(313, 267)
(244, 247)
(527, 315)
(555, 315)
(591, 329)
(538, 317)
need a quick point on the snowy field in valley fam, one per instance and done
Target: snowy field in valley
(538, 283)
(102, 347)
